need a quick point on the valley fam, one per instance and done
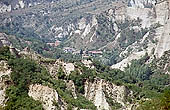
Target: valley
(84, 54)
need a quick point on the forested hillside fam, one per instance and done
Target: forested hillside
(84, 55)
(145, 85)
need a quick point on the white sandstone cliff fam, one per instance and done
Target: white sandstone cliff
(4, 73)
(160, 14)
(99, 90)
(45, 95)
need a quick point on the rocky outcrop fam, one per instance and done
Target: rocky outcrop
(158, 14)
(99, 91)
(68, 67)
(53, 69)
(4, 75)
(135, 53)
(121, 65)
(145, 14)
(44, 94)
(4, 39)
(158, 11)
(162, 12)
(163, 41)
(142, 3)
(88, 63)
(71, 87)
(8, 6)
(94, 92)
(5, 8)
(163, 63)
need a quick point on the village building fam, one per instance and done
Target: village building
(68, 50)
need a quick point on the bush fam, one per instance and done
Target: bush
(5, 53)
(157, 103)
(79, 79)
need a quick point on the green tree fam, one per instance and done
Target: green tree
(61, 73)
(5, 53)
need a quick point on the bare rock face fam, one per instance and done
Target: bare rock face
(45, 95)
(68, 67)
(4, 40)
(53, 69)
(142, 3)
(5, 8)
(149, 11)
(94, 92)
(4, 75)
(8, 6)
(159, 13)
(70, 86)
(164, 41)
(121, 65)
(145, 14)
(162, 12)
(164, 38)
(163, 63)
(88, 63)
(99, 90)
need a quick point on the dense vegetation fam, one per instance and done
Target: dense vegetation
(5, 53)
(26, 72)
(40, 46)
(143, 79)
(146, 81)
(32, 28)
(140, 77)
(161, 102)
(79, 79)
(105, 29)
(23, 73)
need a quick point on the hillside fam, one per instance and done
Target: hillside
(84, 54)
(29, 77)
(122, 29)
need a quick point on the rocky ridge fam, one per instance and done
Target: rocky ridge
(99, 90)
(161, 16)
(94, 91)
(44, 94)
(5, 72)
(155, 16)
(103, 94)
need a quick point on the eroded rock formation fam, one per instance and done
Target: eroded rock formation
(4, 75)
(100, 90)
(46, 95)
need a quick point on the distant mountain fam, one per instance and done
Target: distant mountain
(10, 5)
(122, 29)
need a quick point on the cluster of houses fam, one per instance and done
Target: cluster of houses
(85, 54)
(94, 53)
(55, 44)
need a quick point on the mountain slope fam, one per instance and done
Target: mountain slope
(42, 82)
